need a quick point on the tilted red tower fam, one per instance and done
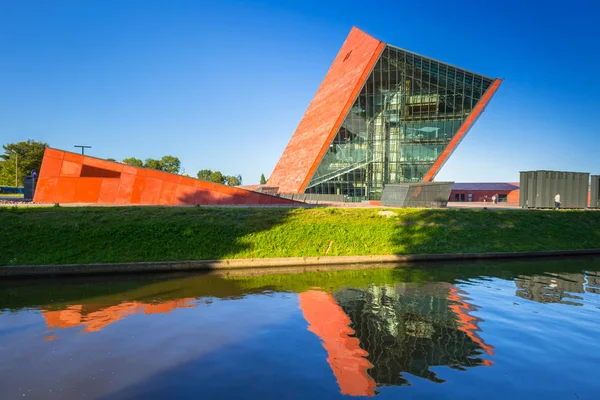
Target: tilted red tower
(381, 115)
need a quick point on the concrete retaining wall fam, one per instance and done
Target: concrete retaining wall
(11, 271)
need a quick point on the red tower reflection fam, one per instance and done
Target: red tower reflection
(327, 320)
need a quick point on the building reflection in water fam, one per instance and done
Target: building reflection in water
(94, 318)
(558, 287)
(374, 336)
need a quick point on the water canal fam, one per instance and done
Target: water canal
(519, 329)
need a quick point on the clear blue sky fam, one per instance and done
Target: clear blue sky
(223, 84)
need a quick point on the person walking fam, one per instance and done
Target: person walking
(495, 199)
(557, 202)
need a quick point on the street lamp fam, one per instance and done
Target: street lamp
(16, 168)
(83, 149)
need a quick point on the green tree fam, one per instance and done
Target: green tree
(153, 164)
(170, 164)
(204, 174)
(27, 155)
(217, 177)
(111, 159)
(134, 162)
(233, 180)
(262, 179)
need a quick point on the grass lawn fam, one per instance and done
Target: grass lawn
(121, 234)
(17, 195)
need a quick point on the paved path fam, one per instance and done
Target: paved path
(481, 205)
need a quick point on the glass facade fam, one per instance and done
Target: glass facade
(407, 112)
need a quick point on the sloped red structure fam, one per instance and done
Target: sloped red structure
(326, 112)
(381, 115)
(67, 177)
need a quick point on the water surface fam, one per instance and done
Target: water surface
(506, 330)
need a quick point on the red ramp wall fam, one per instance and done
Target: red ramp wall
(67, 177)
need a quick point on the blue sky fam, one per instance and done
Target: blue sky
(223, 84)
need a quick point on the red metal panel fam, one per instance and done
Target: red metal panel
(88, 190)
(138, 187)
(76, 158)
(53, 153)
(108, 191)
(514, 196)
(167, 192)
(186, 180)
(462, 131)
(229, 199)
(125, 189)
(51, 167)
(326, 112)
(163, 176)
(185, 194)
(203, 197)
(151, 192)
(128, 169)
(264, 200)
(45, 189)
(65, 190)
(82, 179)
(70, 169)
(215, 197)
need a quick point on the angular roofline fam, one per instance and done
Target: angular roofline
(430, 58)
(442, 62)
(165, 172)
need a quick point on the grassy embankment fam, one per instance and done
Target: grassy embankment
(122, 234)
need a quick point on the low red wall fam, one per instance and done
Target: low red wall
(67, 177)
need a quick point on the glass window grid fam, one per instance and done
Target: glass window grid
(407, 112)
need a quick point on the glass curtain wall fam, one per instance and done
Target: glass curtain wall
(405, 115)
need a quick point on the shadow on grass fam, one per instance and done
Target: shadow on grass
(86, 235)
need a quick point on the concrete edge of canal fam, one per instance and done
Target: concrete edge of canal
(13, 271)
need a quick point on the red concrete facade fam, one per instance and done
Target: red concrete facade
(326, 112)
(72, 178)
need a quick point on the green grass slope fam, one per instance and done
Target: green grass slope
(122, 234)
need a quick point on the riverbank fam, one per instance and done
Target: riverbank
(61, 235)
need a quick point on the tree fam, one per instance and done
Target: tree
(28, 155)
(111, 159)
(204, 174)
(154, 164)
(262, 179)
(233, 180)
(134, 162)
(217, 177)
(170, 164)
